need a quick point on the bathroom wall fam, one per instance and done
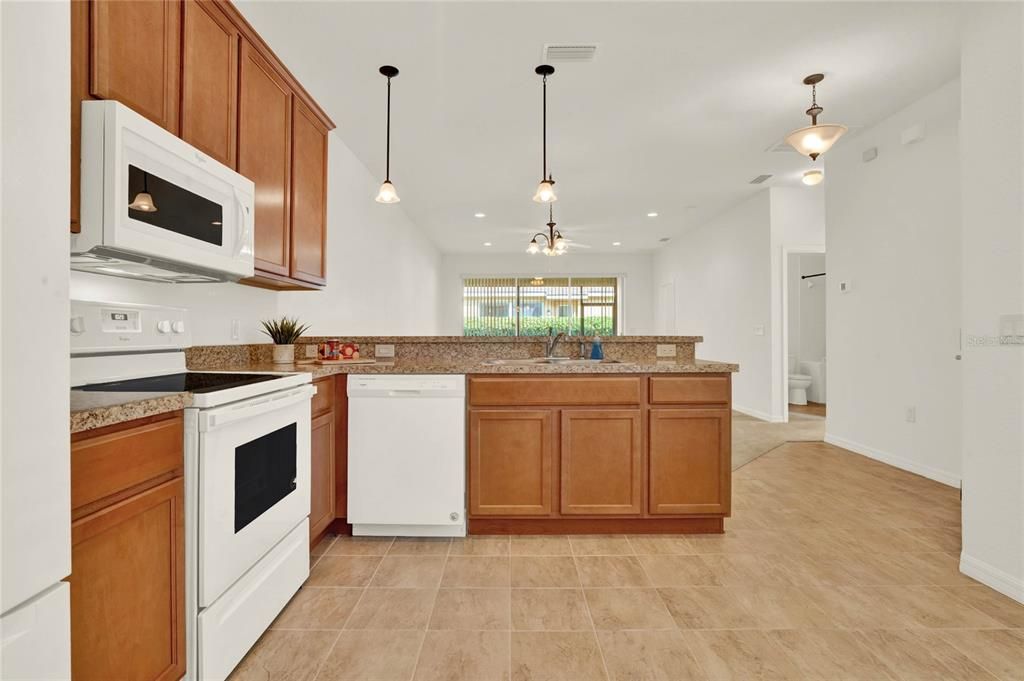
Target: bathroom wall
(806, 306)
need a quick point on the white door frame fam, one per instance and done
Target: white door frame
(784, 325)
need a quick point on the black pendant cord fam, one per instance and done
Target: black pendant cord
(387, 144)
(544, 129)
(145, 182)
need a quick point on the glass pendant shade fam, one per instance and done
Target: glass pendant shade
(533, 248)
(143, 202)
(387, 193)
(545, 192)
(561, 244)
(815, 140)
(813, 177)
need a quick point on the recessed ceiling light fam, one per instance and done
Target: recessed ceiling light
(616, 243)
(652, 215)
(479, 215)
(487, 243)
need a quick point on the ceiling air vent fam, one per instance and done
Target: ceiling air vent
(665, 239)
(569, 52)
(759, 179)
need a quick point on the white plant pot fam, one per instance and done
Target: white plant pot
(284, 354)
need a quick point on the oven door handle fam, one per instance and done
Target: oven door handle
(215, 418)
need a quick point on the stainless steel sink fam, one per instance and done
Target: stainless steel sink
(561, 361)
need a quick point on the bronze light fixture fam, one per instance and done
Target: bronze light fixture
(817, 138)
(387, 193)
(143, 201)
(546, 189)
(554, 242)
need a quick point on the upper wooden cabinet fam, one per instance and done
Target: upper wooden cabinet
(265, 156)
(309, 196)
(601, 462)
(135, 56)
(198, 69)
(209, 81)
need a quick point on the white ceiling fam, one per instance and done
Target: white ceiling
(674, 115)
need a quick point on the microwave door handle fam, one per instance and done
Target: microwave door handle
(215, 418)
(244, 232)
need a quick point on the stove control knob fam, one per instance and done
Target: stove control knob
(178, 326)
(78, 325)
(163, 326)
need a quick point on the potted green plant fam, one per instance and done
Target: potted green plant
(284, 332)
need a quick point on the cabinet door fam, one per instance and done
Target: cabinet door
(321, 484)
(264, 155)
(128, 589)
(341, 446)
(309, 196)
(510, 462)
(135, 56)
(601, 462)
(690, 458)
(209, 81)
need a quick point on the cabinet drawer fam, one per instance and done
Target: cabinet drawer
(689, 390)
(487, 391)
(323, 398)
(112, 462)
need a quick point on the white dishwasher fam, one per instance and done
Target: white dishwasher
(407, 455)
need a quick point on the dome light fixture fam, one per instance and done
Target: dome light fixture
(816, 138)
(553, 241)
(546, 189)
(387, 193)
(812, 177)
(143, 201)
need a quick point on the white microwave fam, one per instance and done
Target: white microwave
(155, 208)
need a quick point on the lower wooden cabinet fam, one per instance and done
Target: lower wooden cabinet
(510, 461)
(128, 551)
(601, 462)
(690, 461)
(321, 491)
(128, 588)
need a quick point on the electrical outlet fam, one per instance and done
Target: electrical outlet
(911, 415)
(234, 329)
(384, 351)
(310, 351)
(666, 350)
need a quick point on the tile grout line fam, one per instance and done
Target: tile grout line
(590, 615)
(433, 606)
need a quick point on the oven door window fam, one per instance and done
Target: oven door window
(265, 473)
(164, 204)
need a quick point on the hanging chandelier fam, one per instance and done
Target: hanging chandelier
(554, 242)
(387, 193)
(546, 189)
(816, 138)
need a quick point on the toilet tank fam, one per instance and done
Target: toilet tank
(816, 370)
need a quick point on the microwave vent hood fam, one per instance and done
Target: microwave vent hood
(112, 263)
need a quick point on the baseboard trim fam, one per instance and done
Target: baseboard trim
(993, 577)
(900, 462)
(764, 416)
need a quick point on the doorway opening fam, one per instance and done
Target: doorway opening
(803, 335)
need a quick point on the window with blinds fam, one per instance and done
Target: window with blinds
(529, 306)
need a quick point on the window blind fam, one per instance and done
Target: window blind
(529, 306)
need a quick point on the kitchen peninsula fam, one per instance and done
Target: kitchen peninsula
(638, 443)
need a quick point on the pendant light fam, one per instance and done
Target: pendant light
(815, 139)
(554, 242)
(546, 189)
(812, 177)
(143, 201)
(387, 193)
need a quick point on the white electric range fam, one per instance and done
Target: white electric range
(247, 467)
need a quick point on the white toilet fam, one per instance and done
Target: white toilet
(798, 385)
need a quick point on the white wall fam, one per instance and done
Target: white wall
(806, 311)
(992, 242)
(35, 126)
(721, 275)
(382, 275)
(893, 233)
(635, 270)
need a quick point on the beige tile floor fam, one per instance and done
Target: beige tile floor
(834, 567)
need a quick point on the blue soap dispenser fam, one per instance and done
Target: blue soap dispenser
(596, 351)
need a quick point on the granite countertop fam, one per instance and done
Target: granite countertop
(96, 409)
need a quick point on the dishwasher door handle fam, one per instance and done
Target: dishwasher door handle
(404, 393)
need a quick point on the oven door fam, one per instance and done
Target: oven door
(254, 459)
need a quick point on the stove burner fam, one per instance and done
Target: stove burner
(193, 382)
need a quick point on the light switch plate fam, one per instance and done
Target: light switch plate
(384, 351)
(759, 330)
(666, 350)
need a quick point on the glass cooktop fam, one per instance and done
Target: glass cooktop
(192, 381)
